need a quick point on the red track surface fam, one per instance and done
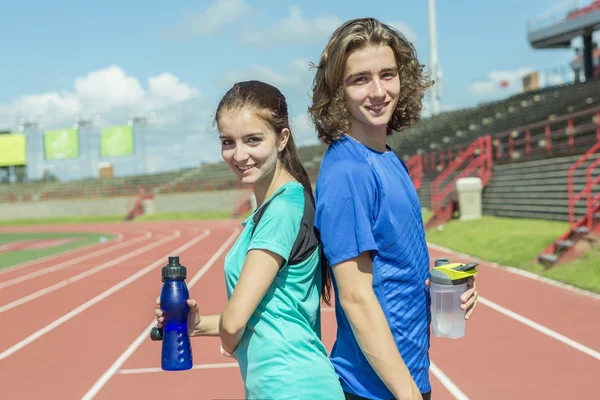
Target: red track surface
(76, 326)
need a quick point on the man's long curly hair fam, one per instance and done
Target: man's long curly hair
(328, 110)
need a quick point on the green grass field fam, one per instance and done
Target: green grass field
(516, 242)
(11, 258)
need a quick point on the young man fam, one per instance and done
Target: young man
(369, 83)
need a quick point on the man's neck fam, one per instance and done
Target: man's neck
(372, 138)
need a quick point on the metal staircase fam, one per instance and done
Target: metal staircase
(415, 170)
(581, 226)
(475, 160)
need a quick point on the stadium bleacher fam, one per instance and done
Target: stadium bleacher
(462, 126)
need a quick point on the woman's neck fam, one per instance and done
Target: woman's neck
(270, 184)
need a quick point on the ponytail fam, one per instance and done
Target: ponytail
(291, 162)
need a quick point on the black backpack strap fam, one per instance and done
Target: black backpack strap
(256, 218)
(308, 237)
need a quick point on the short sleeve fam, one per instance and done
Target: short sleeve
(279, 226)
(345, 209)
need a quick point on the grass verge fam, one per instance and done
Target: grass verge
(517, 242)
(11, 258)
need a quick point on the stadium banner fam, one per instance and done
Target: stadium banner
(13, 149)
(61, 144)
(116, 141)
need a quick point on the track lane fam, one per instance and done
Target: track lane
(499, 358)
(53, 305)
(567, 312)
(60, 275)
(101, 325)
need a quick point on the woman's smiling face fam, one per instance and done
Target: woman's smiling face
(248, 146)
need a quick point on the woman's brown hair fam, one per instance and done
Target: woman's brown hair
(269, 104)
(328, 110)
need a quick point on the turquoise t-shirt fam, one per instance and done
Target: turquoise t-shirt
(281, 355)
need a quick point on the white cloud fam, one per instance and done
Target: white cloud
(46, 105)
(108, 88)
(166, 89)
(297, 75)
(303, 131)
(294, 28)
(261, 73)
(109, 92)
(218, 15)
(493, 84)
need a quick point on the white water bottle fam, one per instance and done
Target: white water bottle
(448, 283)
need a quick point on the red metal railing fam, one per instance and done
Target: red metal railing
(542, 137)
(415, 170)
(587, 190)
(592, 201)
(527, 140)
(479, 158)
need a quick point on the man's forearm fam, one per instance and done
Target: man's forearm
(375, 339)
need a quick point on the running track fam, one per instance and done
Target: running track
(75, 326)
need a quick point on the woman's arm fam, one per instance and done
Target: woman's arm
(208, 326)
(258, 272)
(198, 325)
(354, 281)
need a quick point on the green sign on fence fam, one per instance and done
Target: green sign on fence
(116, 141)
(61, 144)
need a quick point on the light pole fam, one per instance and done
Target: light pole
(433, 60)
(143, 121)
(25, 127)
(88, 125)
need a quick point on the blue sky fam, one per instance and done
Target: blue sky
(171, 63)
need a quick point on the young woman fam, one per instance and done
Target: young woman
(368, 84)
(273, 272)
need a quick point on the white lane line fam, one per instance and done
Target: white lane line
(53, 256)
(159, 262)
(68, 263)
(85, 274)
(519, 272)
(156, 369)
(144, 335)
(541, 328)
(443, 378)
(447, 382)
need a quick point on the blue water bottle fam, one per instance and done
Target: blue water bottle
(176, 347)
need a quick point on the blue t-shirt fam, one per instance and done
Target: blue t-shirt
(366, 201)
